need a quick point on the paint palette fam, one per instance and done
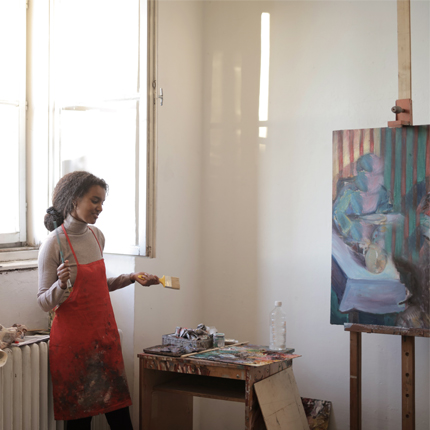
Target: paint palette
(171, 350)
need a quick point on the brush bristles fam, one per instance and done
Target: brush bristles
(172, 282)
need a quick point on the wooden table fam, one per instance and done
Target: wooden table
(168, 384)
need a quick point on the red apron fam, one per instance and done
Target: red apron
(85, 358)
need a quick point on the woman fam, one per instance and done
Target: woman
(85, 356)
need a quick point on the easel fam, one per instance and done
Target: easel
(403, 111)
(408, 370)
(403, 107)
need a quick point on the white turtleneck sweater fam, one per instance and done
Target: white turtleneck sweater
(87, 250)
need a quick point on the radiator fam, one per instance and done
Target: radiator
(26, 392)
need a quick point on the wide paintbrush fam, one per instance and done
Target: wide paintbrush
(168, 282)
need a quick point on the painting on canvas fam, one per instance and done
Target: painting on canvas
(381, 223)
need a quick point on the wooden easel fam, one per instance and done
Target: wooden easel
(403, 107)
(408, 370)
(403, 111)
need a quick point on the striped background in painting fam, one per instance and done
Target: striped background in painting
(406, 155)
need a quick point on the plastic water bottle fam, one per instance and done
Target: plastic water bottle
(278, 328)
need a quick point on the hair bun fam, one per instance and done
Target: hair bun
(52, 211)
(53, 215)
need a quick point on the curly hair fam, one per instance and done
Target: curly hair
(69, 188)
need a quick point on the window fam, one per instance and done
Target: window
(12, 121)
(100, 105)
(101, 114)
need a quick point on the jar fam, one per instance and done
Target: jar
(219, 340)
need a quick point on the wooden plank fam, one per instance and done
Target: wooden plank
(404, 48)
(171, 411)
(280, 402)
(381, 329)
(151, 409)
(193, 367)
(206, 386)
(355, 381)
(408, 383)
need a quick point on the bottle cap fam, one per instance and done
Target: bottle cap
(278, 303)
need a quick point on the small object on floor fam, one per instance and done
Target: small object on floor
(317, 413)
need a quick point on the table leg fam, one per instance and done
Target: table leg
(253, 416)
(408, 383)
(162, 411)
(355, 381)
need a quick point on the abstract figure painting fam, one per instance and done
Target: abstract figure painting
(381, 227)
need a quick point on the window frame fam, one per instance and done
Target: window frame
(18, 239)
(151, 79)
(146, 130)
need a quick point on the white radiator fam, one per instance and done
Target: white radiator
(26, 392)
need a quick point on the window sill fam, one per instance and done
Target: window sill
(18, 258)
(17, 265)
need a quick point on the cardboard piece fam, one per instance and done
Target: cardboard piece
(280, 402)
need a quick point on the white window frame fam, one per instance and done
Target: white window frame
(151, 79)
(146, 148)
(19, 238)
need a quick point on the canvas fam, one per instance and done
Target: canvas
(380, 227)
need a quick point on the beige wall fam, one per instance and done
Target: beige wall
(179, 181)
(267, 204)
(18, 290)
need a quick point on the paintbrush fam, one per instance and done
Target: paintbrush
(168, 282)
(214, 349)
(69, 284)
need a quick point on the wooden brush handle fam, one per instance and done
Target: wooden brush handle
(214, 349)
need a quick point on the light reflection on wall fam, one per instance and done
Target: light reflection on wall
(216, 96)
(263, 107)
(238, 90)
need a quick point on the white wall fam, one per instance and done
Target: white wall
(123, 306)
(18, 291)
(267, 206)
(179, 189)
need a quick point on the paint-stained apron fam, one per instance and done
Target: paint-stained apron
(85, 358)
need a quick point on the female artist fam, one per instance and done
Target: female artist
(85, 358)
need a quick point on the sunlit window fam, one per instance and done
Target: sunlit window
(99, 92)
(12, 121)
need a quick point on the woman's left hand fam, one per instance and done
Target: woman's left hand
(145, 279)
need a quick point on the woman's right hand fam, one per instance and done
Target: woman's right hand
(64, 273)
